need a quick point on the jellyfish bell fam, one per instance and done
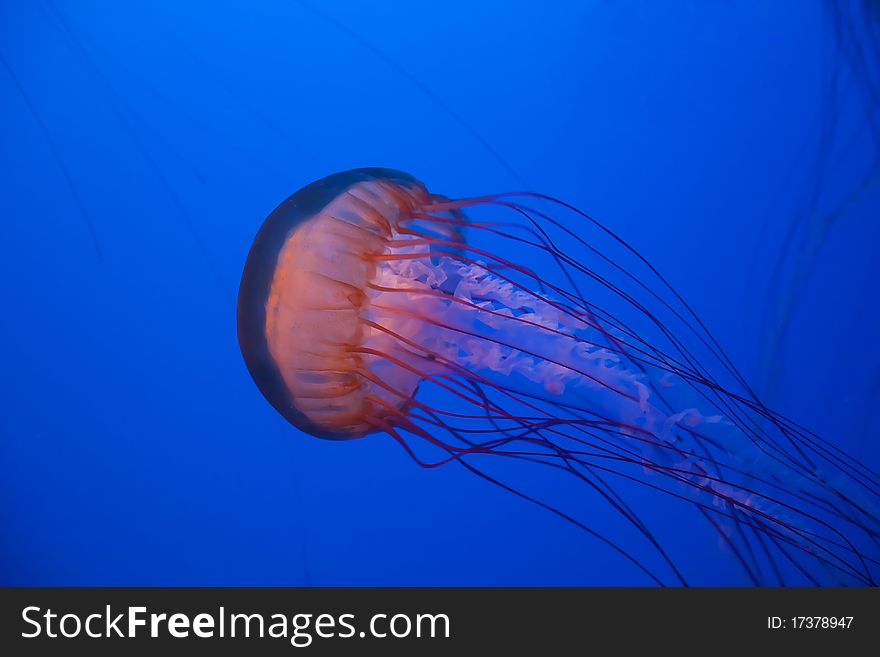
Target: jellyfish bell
(306, 289)
(361, 289)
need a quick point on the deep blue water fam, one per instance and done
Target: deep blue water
(734, 143)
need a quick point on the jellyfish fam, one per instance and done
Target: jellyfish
(515, 326)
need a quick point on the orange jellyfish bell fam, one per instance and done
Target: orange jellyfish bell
(305, 295)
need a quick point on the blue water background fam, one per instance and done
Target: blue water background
(134, 447)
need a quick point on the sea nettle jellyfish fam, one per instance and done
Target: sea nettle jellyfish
(370, 305)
